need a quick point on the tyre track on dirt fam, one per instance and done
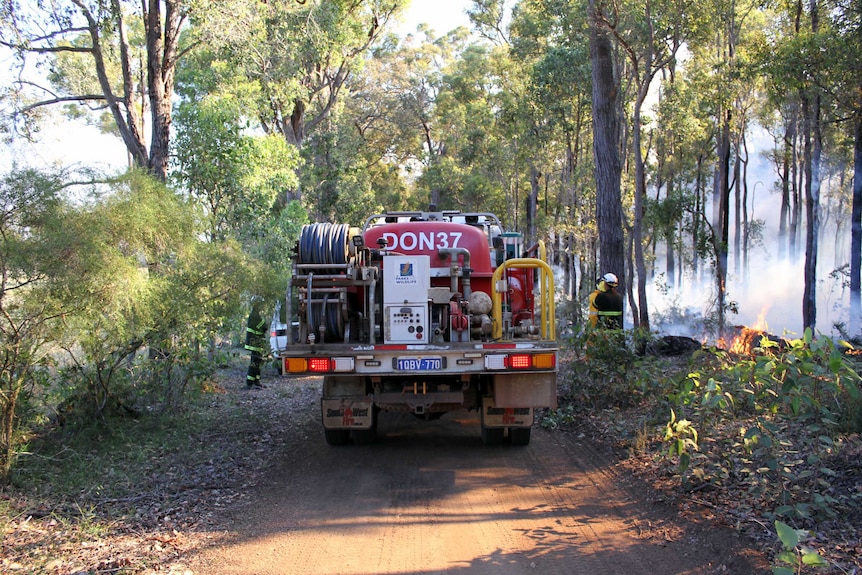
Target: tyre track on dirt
(430, 498)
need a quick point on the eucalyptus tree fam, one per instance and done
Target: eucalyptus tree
(422, 126)
(650, 34)
(607, 138)
(551, 39)
(473, 160)
(849, 26)
(299, 56)
(841, 80)
(234, 175)
(684, 154)
(117, 56)
(799, 60)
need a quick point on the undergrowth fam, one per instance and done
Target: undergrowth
(773, 435)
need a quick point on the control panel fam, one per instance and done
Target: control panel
(405, 324)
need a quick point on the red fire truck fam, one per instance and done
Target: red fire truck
(423, 312)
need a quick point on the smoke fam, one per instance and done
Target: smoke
(771, 299)
(772, 287)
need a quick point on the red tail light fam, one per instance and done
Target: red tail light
(319, 364)
(520, 361)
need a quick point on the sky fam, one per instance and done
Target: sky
(441, 15)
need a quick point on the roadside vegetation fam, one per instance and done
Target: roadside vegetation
(765, 437)
(765, 440)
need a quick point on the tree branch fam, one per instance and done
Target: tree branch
(61, 99)
(45, 49)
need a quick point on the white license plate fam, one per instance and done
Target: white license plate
(419, 364)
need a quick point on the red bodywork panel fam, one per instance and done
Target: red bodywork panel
(427, 238)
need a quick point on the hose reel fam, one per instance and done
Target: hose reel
(322, 245)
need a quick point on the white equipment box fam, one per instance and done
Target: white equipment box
(405, 298)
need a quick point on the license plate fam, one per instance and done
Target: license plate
(419, 364)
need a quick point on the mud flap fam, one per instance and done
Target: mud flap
(347, 413)
(526, 390)
(493, 416)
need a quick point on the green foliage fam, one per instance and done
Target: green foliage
(93, 284)
(31, 232)
(235, 178)
(793, 553)
(605, 371)
(682, 439)
(803, 388)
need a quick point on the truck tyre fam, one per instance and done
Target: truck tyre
(366, 436)
(491, 435)
(520, 435)
(337, 436)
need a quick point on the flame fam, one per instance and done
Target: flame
(746, 341)
(761, 324)
(750, 337)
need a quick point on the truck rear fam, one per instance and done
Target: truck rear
(426, 313)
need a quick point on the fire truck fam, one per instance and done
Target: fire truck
(422, 312)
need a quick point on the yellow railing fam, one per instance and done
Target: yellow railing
(546, 310)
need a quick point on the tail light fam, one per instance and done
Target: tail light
(521, 361)
(318, 364)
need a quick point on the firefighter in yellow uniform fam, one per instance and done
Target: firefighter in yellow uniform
(609, 304)
(255, 340)
(594, 311)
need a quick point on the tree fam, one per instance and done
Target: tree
(145, 279)
(606, 143)
(95, 36)
(299, 55)
(234, 176)
(29, 207)
(651, 41)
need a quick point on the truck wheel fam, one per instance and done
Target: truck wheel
(493, 435)
(337, 436)
(520, 435)
(366, 436)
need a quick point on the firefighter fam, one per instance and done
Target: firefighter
(594, 311)
(255, 340)
(609, 304)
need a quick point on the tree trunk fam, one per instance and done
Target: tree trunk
(161, 69)
(746, 218)
(856, 230)
(642, 320)
(720, 243)
(813, 152)
(737, 208)
(606, 134)
(532, 204)
(786, 160)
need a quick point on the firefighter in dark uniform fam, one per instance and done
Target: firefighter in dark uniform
(255, 340)
(609, 304)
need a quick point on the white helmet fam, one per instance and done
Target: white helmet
(610, 279)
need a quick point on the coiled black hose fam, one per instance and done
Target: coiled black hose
(325, 243)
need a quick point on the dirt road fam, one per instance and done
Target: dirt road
(430, 498)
